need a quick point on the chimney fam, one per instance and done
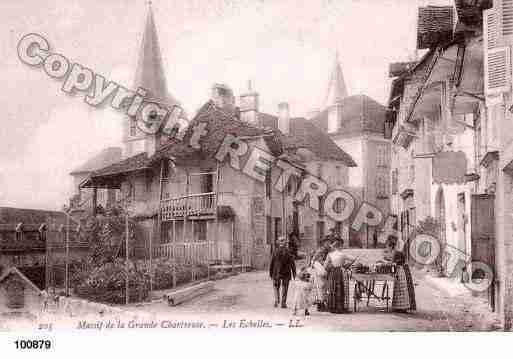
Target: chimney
(283, 117)
(248, 104)
(222, 95)
(313, 113)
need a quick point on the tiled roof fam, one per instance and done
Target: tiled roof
(34, 284)
(358, 114)
(30, 216)
(104, 158)
(304, 134)
(134, 163)
(219, 123)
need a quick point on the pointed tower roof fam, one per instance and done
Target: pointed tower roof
(150, 73)
(337, 90)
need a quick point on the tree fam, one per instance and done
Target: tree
(104, 270)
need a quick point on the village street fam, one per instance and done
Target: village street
(249, 296)
(245, 301)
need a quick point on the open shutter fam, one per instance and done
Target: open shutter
(507, 17)
(490, 28)
(497, 59)
(497, 70)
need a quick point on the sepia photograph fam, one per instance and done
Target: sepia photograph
(251, 166)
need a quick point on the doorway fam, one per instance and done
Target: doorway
(440, 218)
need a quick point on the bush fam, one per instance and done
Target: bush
(163, 276)
(107, 283)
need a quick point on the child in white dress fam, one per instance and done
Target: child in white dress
(303, 292)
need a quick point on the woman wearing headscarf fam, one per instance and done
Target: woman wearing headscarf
(336, 264)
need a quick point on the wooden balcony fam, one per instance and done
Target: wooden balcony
(194, 205)
(196, 253)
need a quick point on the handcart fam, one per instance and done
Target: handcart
(367, 286)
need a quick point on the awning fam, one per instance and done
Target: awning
(112, 176)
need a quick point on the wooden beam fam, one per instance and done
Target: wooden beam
(182, 295)
(476, 96)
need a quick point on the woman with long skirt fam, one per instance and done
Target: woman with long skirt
(338, 279)
(403, 299)
(319, 275)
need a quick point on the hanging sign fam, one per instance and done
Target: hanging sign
(449, 167)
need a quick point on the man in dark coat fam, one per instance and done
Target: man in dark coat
(281, 270)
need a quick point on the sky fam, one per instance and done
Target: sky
(286, 48)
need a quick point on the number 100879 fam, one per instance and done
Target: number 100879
(43, 344)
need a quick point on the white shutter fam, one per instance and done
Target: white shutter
(497, 70)
(490, 28)
(507, 17)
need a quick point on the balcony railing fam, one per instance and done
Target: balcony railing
(196, 253)
(192, 205)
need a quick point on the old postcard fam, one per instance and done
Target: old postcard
(269, 166)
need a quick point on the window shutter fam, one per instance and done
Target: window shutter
(497, 70)
(490, 28)
(507, 17)
(497, 24)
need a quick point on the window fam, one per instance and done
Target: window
(382, 183)
(200, 231)
(165, 168)
(339, 175)
(381, 155)
(207, 182)
(133, 127)
(268, 186)
(395, 181)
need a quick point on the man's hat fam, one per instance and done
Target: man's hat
(282, 240)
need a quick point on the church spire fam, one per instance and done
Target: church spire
(336, 87)
(150, 73)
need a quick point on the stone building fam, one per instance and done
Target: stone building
(34, 240)
(357, 125)
(217, 211)
(450, 122)
(494, 138)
